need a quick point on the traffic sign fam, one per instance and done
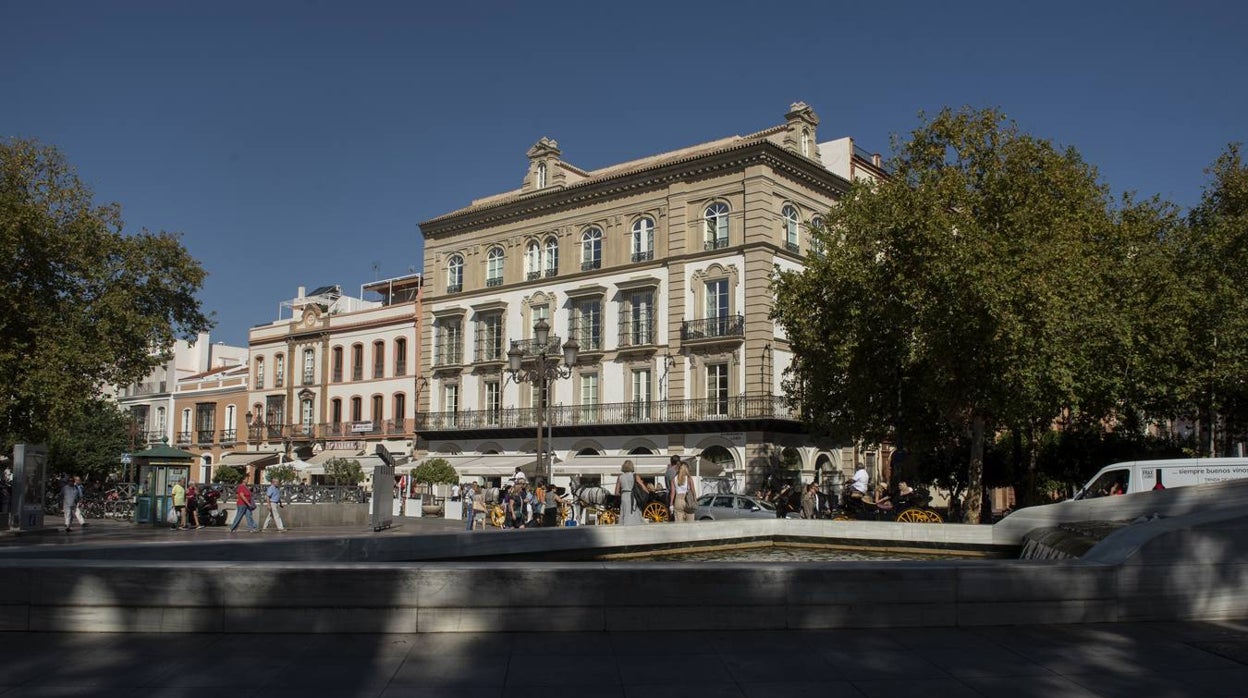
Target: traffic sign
(125, 459)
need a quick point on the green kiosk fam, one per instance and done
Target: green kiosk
(158, 468)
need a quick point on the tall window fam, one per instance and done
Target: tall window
(552, 256)
(533, 261)
(337, 367)
(494, 267)
(279, 370)
(717, 389)
(357, 362)
(228, 434)
(816, 229)
(789, 214)
(586, 325)
(259, 373)
(305, 416)
(717, 307)
(450, 342)
(205, 422)
(451, 403)
(184, 431)
(640, 329)
(309, 366)
(161, 420)
(541, 175)
(643, 240)
(591, 249)
(378, 407)
(357, 409)
(400, 409)
(379, 359)
(400, 356)
(493, 402)
(490, 338)
(335, 411)
(641, 393)
(455, 274)
(716, 217)
(805, 143)
(589, 397)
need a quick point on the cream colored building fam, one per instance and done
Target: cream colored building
(208, 411)
(339, 376)
(659, 268)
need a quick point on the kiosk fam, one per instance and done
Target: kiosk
(158, 468)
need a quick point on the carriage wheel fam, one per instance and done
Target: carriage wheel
(565, 513)
(842, 516)
(655, 512)
(497, 516)
(917, 515)
(607, 517)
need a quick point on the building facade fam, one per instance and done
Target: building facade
(659, 269)
(208, 411)
(151, 402)
(339, 377)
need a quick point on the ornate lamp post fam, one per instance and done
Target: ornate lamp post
(544, 368)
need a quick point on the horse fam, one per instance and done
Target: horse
(787, 500)
(595, 497)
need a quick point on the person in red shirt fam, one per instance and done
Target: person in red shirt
(244, 504)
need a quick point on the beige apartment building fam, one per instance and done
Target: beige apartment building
(659, 269)
(338, 377)
(208, 411)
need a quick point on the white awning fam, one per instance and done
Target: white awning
(650, 464)
(328, 455)
(493, 465)
(248, 457)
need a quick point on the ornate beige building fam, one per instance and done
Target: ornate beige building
(659, 268)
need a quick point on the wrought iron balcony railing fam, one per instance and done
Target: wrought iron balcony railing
(643, 256)
(494, 281)
(449, 355)
(533, 275)
(184, 437)
(204, 436)
(741, 407)
(637, 332)
(551, 273)
(229, 436)
(712, 328)
(792, 247)
(530, 348)
(591, 264)
(489, 350)
(153, 435)
(454, 288)
(715, 244)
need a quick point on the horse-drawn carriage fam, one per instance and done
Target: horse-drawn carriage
(606, 505)
(911, 507)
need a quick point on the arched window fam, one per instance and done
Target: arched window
(357, 362)
(400, 356)
(643, 240)
(356, 409)
(455, 274)
(789, 214)
(552, 256)
(378, 406)
(494, 267)
(716, 217)
(400, 408)
(805, 142)
(533, 260)
(335, 413)
(336, 368)
(259, 373)
(279, 370)
(309, 366)
(379, 359)
(591, 249)
(541, 175)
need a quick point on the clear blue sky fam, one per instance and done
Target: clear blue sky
(299, 143)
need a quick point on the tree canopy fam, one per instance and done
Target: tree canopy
(435, 471)
(990, 283)
(82, 303)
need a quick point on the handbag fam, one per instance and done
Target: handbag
(478, 505)
(691, 502)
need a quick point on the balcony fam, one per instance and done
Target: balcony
(154, 436)
(726, 327)
(637, 332)
(591, 264)
(551, 273)
(643, 256)
(146, 389)
(716, 244)
(494, 281)
(204, 436)
(454, 288)
(793, 247)
(228, 436)
(184, 437)
(529, 348)
(683, 413)
(533, 275)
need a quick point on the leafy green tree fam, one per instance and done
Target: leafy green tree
(82, 303)
(92, 443)
(962, 296)
(282, 473)
(344, 471)
(228, 474)
(1213, 254)
(435, 471)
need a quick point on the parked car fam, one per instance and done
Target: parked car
(714, 507)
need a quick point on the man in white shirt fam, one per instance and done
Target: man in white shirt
(861, 480)
(455, 492)
(519, 478)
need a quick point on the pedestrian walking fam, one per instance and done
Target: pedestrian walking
(810, 501)
(684, 500)
(82, 497)
(243, 506)
(70, 494)
(192, 506)
(179, 504)
(628, 486)
(273, 497)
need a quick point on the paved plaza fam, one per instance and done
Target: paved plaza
(1140, 660)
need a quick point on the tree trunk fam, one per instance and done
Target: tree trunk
(975, 482)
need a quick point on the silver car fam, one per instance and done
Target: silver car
(713, 507)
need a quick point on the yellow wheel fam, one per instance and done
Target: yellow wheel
(565, 513)
(842, 517)
(607, 517)
(654, 512)
(497, 516)
(916, 515)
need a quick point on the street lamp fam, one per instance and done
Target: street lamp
(544, 369)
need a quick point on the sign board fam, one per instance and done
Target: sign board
(125, 459)
(361, 427)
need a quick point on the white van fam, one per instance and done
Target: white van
(1144, 475)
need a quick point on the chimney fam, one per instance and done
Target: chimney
(302, 290)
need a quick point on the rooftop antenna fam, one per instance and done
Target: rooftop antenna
(376, 271)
